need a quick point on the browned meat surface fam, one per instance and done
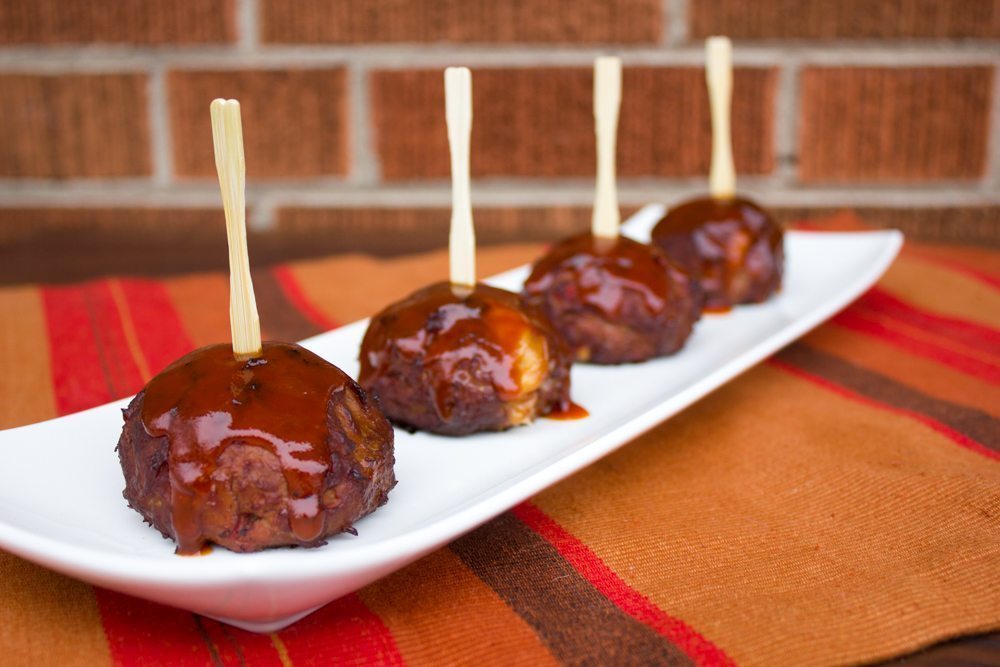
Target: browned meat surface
(281, 450)
(734, 247)
(457, 362)
(614, 300)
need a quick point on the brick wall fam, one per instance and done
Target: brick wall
(886, 105)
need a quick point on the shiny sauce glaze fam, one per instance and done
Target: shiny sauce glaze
(604, 272)
(569, 412)
(278, 401)
(455, 330)
(733, 245)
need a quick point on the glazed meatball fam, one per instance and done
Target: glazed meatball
(455, 360)
(281, 449)
(614, 300)
(732, 245)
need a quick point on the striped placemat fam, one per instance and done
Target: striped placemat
(836, 504)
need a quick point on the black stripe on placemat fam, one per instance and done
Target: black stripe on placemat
(576, 621)
(970, 422)
(278, 316)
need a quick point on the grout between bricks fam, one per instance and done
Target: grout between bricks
(107, 59)
(247, 25)
(365, 166)
(992, 171)
(262, 213)
(159, 127)
(264, 199)
(786, 123)
(675, 31)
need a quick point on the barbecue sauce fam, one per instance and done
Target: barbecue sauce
(733, 245)
(604, 271)
(569, 412)
(454, 331)
(277, 400)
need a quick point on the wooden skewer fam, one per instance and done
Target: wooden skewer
(227, 135)
(458, 112)
(719, 76)
(607, 100)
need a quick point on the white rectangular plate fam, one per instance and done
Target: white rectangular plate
(60, 482)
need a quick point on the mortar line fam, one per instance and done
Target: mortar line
(33, 59)
(991, 179)
(365, 165)
(676, 17)
(159, 127)
(264, 198)
(247, 25)
(262, 213)
(786, 122)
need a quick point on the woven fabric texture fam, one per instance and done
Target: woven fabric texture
(836, 504)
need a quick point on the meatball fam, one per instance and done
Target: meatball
(732, 245)
(614, 300)
(455, 360)
(281, 449)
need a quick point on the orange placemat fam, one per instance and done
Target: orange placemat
(839, 503)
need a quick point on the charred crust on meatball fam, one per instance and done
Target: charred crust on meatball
(439, 361)
(247, 506)
(614, 300)
(733, 247)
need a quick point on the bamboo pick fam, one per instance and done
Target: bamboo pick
(227, 136)
(458, 112)
(719, 76)
(607, 100)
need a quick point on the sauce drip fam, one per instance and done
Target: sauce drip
(569, 412)
(604, 272)
(205, 550)
(460, 335)
(208, 400)
(728, 243)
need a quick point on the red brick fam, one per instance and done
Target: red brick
(894, 124)
(539, 122)
(484, 21)
(63, 244)
(294, 121)
(118, 22)
(73, 125)
(845, 19)
(394, 231)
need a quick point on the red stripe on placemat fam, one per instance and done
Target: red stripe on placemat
(145, 633)
(157, 323)
(91, 362)
(855, 321)
(146, 310)
(223, 644)
(111, 334)
(629, 600)
(973, 335)
(295, 295)
(943, 429)
(344, 632)
(239, 647)
(78, 376)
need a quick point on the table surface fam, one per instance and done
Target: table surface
(835, 504)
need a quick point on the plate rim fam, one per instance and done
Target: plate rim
(116, 569)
